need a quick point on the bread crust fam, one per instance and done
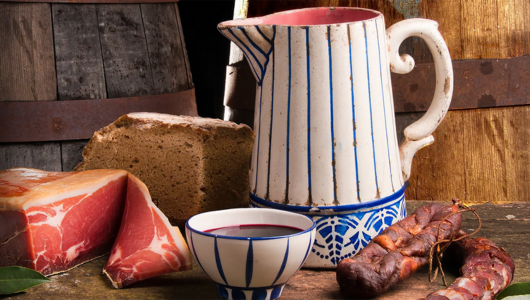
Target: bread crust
(189, 164)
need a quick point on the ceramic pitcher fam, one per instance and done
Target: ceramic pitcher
(326, 142)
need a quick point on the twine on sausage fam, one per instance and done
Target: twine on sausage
(440, 246)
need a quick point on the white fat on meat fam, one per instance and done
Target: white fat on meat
(35, 206)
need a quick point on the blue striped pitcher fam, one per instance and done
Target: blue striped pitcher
(326, 142)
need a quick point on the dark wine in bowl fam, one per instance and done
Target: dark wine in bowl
(255, 230)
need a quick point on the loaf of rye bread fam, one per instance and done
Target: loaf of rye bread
(189, 164)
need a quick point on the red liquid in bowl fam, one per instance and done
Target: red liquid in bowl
(255, 230)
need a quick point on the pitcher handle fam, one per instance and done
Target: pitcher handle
(418, 134)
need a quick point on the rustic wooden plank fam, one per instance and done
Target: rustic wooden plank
(44, 156)
(484, 137)
(490, 29)
(437, 170)
(471, 147)
(167, 60)
(27, 73)
(78, 52)
(79, 64)
(26, 52)
(514, 23)
(517, 155)
(479, 29)
(183, 45)
(71, 154)
(124, 50)
(143, 54)
(523, 18)
(499, 222)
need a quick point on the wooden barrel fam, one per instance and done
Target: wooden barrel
(481, 150)
(66, 70)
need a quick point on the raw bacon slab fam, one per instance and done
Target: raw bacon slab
(147, 245)
(54, 221)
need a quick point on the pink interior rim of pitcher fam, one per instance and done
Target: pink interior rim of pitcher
(310, 16)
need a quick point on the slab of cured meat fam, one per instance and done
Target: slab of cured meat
(52, 222)
(147, 245)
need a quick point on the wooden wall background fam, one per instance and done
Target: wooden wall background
(479, 155)
(85, 51)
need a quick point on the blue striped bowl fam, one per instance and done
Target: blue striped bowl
(250, 267)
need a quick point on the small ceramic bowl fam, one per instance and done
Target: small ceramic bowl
(250, 266)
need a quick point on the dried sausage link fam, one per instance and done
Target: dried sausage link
(487, 270)
(397, 252)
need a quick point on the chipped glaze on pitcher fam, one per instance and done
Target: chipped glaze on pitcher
(326, 141)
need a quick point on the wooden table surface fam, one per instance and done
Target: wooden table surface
(508, 225)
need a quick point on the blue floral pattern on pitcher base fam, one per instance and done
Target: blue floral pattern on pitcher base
(342, 234)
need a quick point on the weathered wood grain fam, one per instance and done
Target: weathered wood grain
(79, 64)
(438, 169)
(484, 160)
(183, 45)
(124, 49)
(517, 145)
(78, 52)
(478, 156)
(27, 72)
(507, 225)
(101, 51)
(26, 52)
(481, 31)
(72, 154)
(166, 54)
(44, 156)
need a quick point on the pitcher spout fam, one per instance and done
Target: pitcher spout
(254, 39)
